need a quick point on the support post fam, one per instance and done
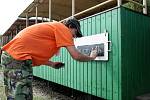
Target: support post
(145, 6)
(27, 20)
(50, 1)
(36, 14)
(73, 8)
(119, 3)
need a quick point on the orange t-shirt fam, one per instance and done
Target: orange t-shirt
(39, 42)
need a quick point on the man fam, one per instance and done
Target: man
(34, 46)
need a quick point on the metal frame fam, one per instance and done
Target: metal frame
(119, 3)
(94, 7)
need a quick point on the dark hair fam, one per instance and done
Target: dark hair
(73, 23)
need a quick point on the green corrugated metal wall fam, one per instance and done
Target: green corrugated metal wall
(135, 34)
(114, 79)
(99, 78)
(135, 7)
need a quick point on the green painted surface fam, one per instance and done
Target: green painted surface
(135, 54)
(125, 74)
(136, 7)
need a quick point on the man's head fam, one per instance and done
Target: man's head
(74, 25)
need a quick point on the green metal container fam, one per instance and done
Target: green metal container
(126, 74)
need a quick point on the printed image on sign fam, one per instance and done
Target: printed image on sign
(87, 43)
(86, 49)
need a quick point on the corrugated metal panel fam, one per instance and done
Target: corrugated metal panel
(135, 54)
(126, 73)
(100, 78)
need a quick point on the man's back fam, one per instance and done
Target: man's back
(39, 42)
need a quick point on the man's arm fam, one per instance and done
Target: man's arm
(75, 55)
(79, 56)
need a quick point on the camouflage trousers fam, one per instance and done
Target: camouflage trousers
(17, 78)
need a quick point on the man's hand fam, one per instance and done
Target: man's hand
(94, 52)
(79, 56)
(58, 65)
(55, 65)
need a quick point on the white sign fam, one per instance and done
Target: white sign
(85, 45)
